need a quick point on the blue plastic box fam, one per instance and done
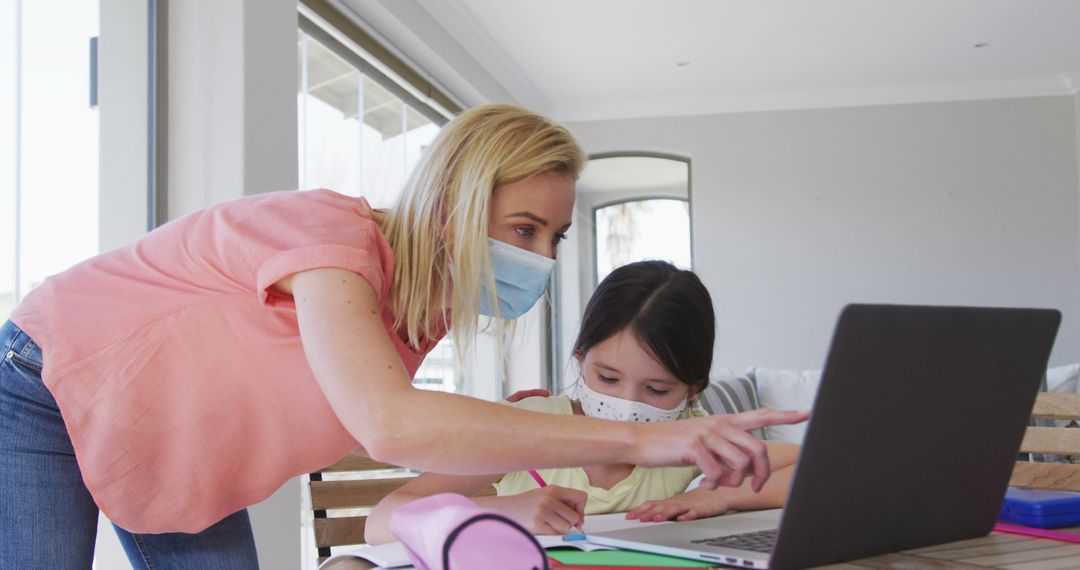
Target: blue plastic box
(1042, 509)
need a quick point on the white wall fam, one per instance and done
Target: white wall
(232, 101)
(940, 203)
(122, 111)
(1076, 132)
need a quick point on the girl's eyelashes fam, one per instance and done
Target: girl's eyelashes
(649, 389)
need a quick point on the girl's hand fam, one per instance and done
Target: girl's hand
(719, 445)
(694, 504)
(548, 510)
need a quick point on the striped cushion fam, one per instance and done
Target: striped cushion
(731, 396)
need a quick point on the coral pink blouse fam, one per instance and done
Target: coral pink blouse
(181, 377)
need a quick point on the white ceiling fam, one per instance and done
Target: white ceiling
(595, 59)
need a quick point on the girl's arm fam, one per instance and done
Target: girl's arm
(550, 510)
(360, 373)
(700, 503)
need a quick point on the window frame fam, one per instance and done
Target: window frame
(341, 35)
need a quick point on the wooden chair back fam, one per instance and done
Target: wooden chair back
(342, 494)
(1051, 440)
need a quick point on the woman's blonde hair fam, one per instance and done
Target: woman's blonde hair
(438, 228)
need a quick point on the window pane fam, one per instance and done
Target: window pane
(330, 128)
(645, 229)
(383, 145)
(372, 158)
(7, 161)
(420, 134)
(437, 372)
(58, 147)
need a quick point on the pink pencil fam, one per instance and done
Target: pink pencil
(536, 477)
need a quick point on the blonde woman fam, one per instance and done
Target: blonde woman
(173, 382)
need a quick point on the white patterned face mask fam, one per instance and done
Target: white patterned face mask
(597, 405)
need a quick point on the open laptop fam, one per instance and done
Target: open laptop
(914, 434)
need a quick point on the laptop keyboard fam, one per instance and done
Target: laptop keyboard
(760, 541)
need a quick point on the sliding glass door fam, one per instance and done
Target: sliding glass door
(65, 127)
(50, 153)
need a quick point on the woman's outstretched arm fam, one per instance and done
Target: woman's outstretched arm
(361, 374)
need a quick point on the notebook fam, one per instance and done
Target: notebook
(913, 436)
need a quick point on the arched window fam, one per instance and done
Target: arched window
(640, 205)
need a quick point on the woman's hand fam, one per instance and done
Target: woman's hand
(694, 504)
(719, 445)
(548, 510)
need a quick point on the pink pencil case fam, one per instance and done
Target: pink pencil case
(451, 532)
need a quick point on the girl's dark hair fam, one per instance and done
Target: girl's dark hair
(669, 311)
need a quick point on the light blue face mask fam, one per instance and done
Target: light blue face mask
(521, 277)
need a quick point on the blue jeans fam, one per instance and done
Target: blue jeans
(47, 517)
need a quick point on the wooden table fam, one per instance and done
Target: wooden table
(997, 550)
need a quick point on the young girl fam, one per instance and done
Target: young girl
(644, 350)
(177, 380)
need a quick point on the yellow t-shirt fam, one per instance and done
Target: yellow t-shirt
(643, 483)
